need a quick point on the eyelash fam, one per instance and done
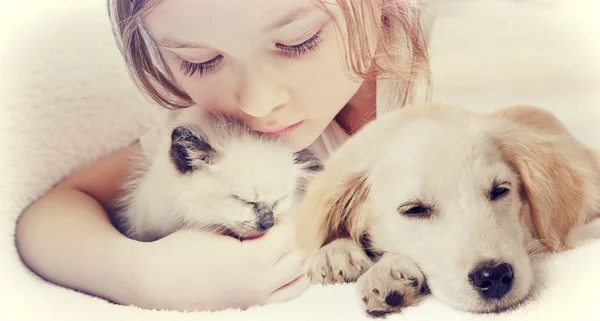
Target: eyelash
(298, 50)
(190, 68)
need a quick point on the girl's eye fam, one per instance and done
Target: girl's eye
(302, 48)
(190, 68)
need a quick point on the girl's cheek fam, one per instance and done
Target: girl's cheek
(210, 92)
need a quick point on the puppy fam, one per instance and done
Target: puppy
(434, 197)
(211, 172)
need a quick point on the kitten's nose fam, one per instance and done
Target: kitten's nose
(264, 216)
(265, 220)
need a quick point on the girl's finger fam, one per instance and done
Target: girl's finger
(287, 269)
(275, 244)
(290, 290)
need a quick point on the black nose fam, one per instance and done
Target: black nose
(265, 220)
(492, 280)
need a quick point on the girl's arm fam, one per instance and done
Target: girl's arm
(67, 238)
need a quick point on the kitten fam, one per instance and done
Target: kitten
(211, 172)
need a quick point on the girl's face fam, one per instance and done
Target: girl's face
(278, 65)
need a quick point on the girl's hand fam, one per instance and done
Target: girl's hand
(195, 270)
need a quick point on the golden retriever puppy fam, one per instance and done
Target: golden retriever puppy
(435, 197)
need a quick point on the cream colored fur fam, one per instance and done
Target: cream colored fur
(446, 158)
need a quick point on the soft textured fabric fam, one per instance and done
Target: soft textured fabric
(66, 100)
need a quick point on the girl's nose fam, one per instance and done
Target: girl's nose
(261, 92)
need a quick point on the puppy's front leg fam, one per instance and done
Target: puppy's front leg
(340, 261)
(393, 283)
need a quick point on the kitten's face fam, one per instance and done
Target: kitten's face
(240, 186)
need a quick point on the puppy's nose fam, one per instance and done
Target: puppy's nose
(492, 280)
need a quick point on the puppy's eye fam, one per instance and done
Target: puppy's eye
(498, 192)
(414, 210)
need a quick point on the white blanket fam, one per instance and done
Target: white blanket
(66, 99)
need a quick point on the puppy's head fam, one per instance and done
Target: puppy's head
(460, 194)
(233, 180)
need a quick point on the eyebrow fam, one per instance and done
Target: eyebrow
(290, 17)
(176, 43)
(173, 43)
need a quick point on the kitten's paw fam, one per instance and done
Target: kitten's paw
(390, 285)
(340, 261)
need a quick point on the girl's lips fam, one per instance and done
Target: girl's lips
(280, 131)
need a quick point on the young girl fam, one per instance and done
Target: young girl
(311, 71)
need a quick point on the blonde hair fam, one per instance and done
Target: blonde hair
(400, 58)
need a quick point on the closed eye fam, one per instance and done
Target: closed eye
(302, 48)
(416, 210)
(289, 51)
(499, 190)
(279, 201)
(252, 203)
(242, 200)
(190, 68)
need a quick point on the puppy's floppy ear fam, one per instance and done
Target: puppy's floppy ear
(334, 206)
(558, 173)
(190, 151)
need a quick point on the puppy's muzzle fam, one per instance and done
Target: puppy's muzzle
(492, 280)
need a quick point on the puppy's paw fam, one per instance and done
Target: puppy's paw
(340, 261)
(391, 284)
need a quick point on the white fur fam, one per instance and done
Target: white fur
(452, 167)
(158, 199)
(447, 161)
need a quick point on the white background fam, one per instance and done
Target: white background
(65, 100)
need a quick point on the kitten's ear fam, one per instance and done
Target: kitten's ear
(190, 151)
(309, 165)
(308, 161)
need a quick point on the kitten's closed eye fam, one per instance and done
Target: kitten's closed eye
(279, 201)
(259, 203)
